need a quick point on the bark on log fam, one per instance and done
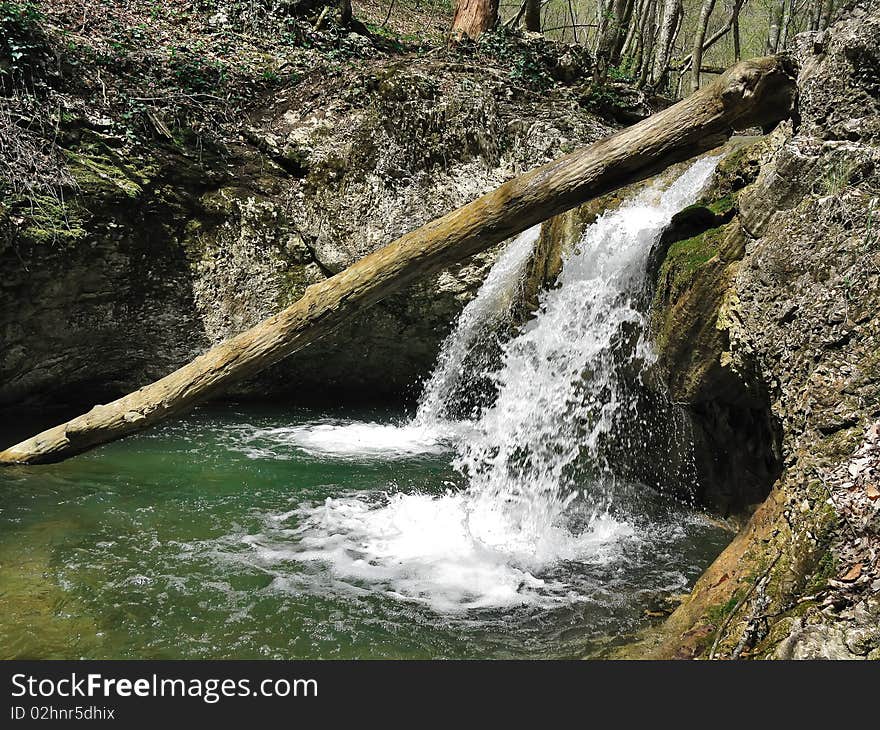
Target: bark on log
(755, 92)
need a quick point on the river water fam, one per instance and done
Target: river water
(489, 523)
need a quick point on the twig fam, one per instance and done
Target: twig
(388, 15)
(566, 27)
(739, 604)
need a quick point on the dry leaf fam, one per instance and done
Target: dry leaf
(872, 492)
(857, 466)
(852, 574)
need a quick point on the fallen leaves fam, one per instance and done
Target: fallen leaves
(853, 574)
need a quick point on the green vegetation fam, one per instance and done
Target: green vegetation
(22, 44)
(719, 613)
(837, 176)
(685, 258)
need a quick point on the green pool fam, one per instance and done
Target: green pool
(248, 532)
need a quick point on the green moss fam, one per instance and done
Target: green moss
(720, 612)
(723, 205)
(102, 175)
(50, 221)
(826, 569)
(685, 258)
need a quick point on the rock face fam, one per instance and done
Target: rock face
(162, 253)
(726, 405)
(769, 327)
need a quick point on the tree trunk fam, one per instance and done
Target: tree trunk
(473, 18)
(616, 11)
(737, 49)
(815, 14)
(620, 35)
(603, 14)
(533, 15)
(671, 10)
(636, 51)
(649, 30)
(827, 14)
(755, 92)
(775, 23)
(699, 37)
(345, 12)
(732, 20)
(574, 23)
(632, 37)
(786, 25)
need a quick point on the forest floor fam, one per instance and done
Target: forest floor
(144, 71)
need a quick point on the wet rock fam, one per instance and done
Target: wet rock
(794, 321)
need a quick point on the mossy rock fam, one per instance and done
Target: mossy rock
(688, 256)
(102, 176)
(48, 220)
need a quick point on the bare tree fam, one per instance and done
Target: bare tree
(668, 30)
(623, 24)
(473, 18)
(649, 33)
(737, 48)
(633, 40)
(777, 10)
(732, 21)
(699, 37)
(786, 24)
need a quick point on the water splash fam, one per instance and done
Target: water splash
(539, 492)
(560, 388)
(345, 439)
(478, 320)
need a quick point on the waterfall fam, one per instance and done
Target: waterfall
(560, 389)
(539, 493)
(478, 320)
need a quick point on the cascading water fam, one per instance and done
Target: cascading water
(538, 494)
(494, 525)
(560, 389)
(478, 320)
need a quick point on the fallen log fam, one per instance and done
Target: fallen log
(755, 92)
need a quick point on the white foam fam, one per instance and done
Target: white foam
(430, 549)
(351, 440)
